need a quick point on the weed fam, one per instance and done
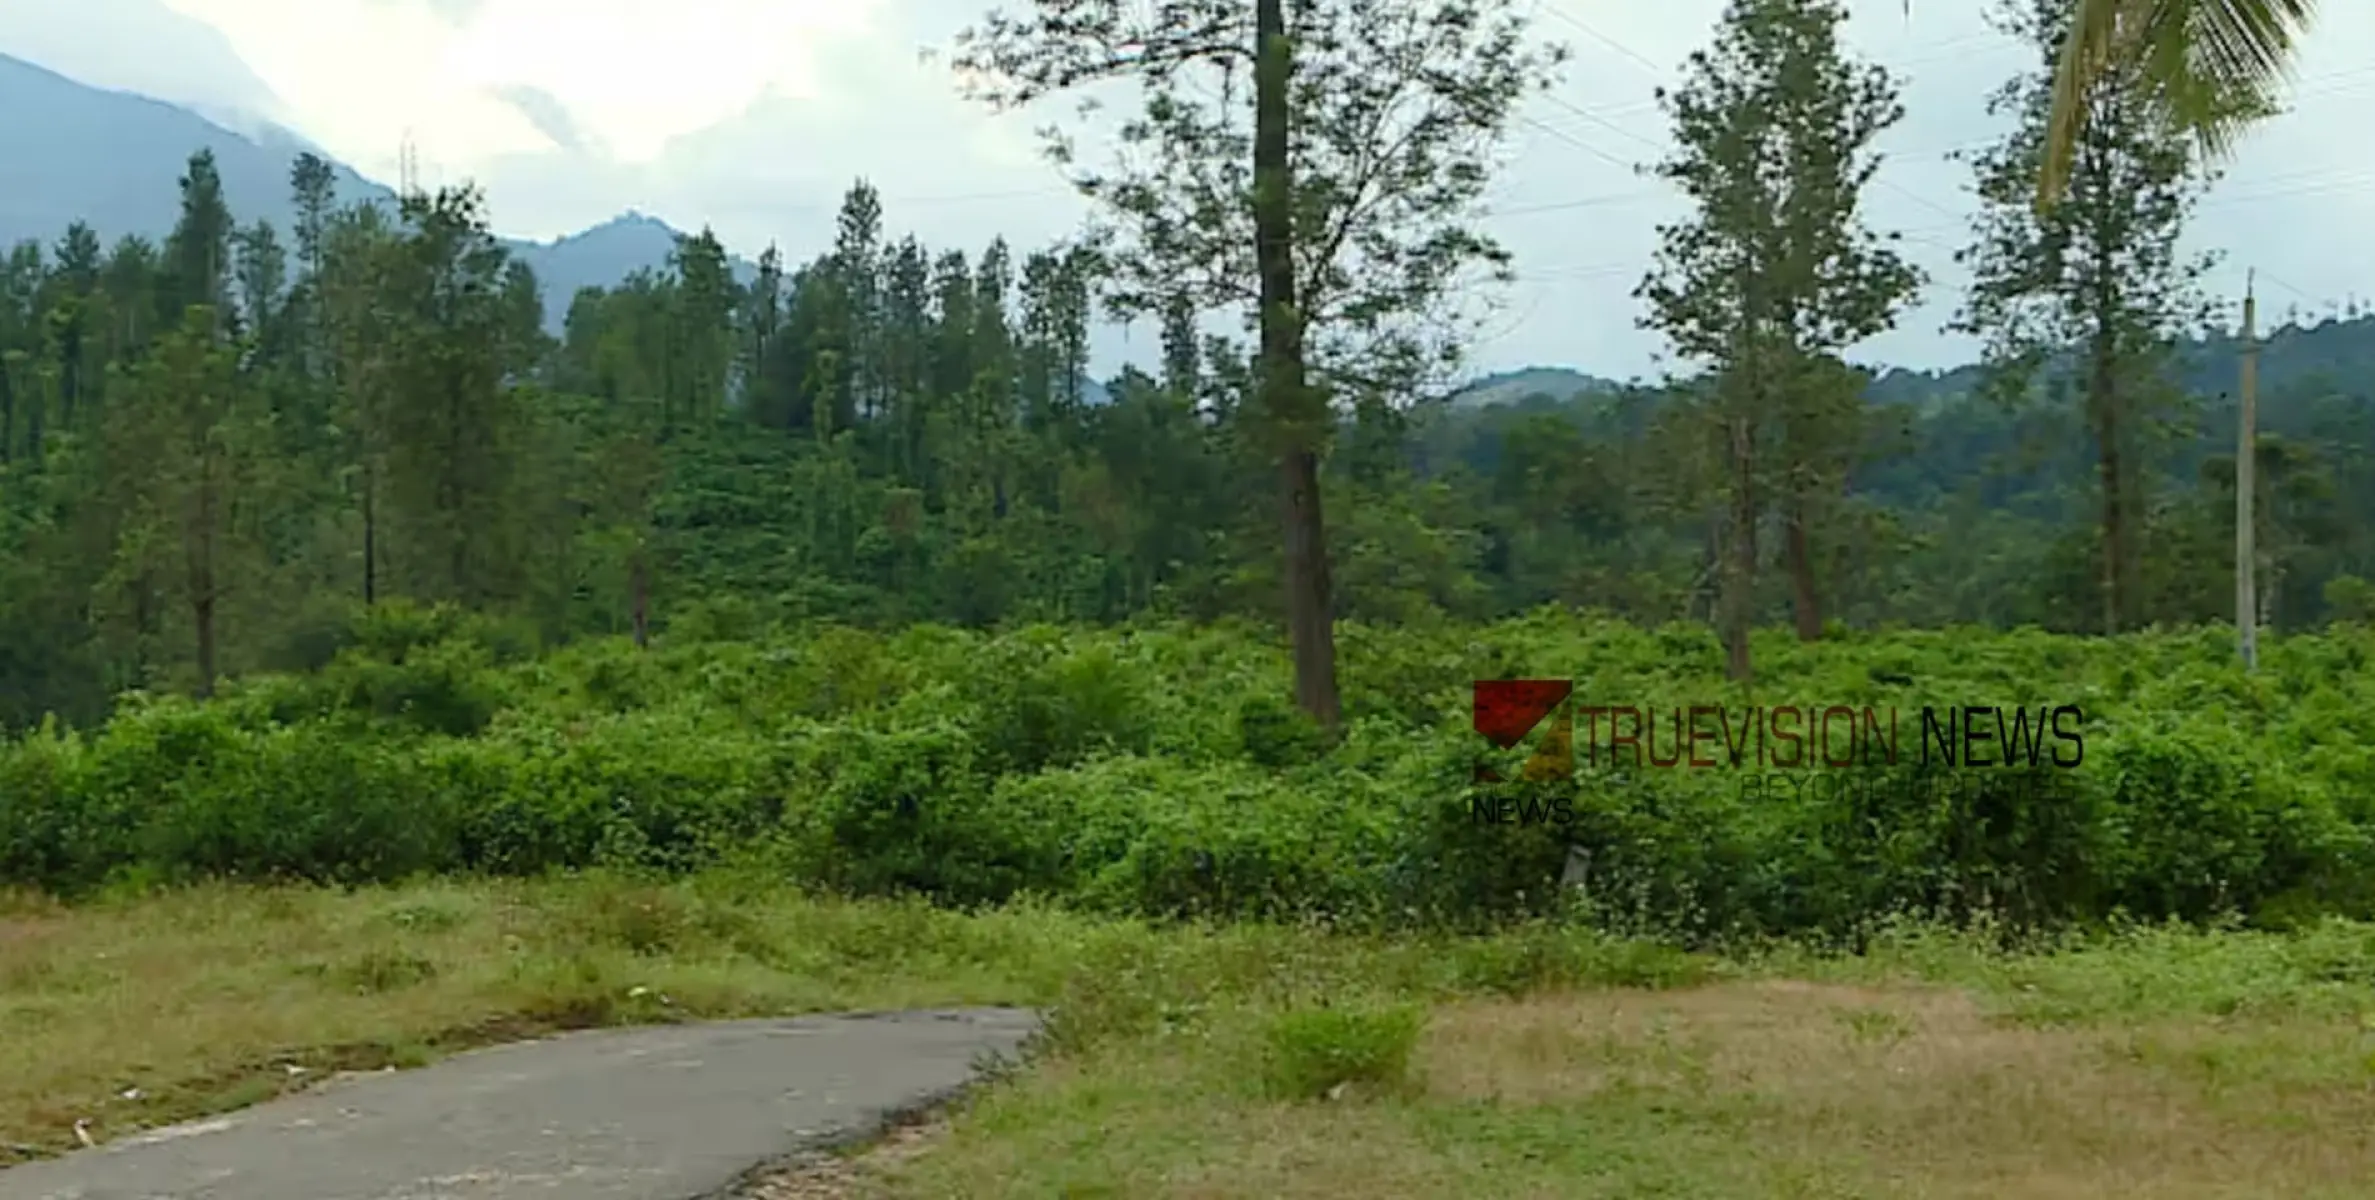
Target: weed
(1315, 1052)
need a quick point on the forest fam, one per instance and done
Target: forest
(320, 556)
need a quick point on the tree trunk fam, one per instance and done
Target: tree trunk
(202, 612)
(1310, 621)
(639, 600)
(2111, 478)
(70, 377)
(1286, 400)
(1707, 590)
(202, 590)
(451, 489)
(33, 430)
(2113, 466)
(370, 538)
(1740, 563)
(1806, 601)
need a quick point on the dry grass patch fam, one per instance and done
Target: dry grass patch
(1922, 1093)
(1750, 1088)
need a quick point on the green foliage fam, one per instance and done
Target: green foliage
(1277, 734)
(893, 434)
(1312, 1052)
(850, 572)
(2351, 599)
(1154, 774)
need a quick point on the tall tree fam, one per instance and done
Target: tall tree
(189, 446)
(1333, 206)
(71, 318)
(706, 297)
(759, 324)
(857, 270)
(262, 274)
(314, 189)
(1775, 273)
(21, 397)
(2087, 296)
(352, 290)
(198, 254)
(454, 333)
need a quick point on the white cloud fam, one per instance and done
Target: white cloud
(361, 77)
(642, 73)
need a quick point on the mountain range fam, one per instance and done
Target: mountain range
(75, 152)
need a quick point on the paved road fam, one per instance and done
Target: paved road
(669, 1113)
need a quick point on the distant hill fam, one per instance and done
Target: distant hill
(142, 46)
(71, 152)
(601, 257)
(1511, 387)
(112, 159)
(2336, 353)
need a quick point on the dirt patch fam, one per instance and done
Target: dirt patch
(845, 1176)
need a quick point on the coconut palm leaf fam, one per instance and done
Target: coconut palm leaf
(2215, 66)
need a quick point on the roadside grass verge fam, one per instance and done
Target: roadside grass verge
(136, 1012)
(1742, 1088)
(1251, 1060)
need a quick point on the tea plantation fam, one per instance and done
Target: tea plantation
(1154, 771)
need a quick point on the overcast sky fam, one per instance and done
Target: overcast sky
(752, 116)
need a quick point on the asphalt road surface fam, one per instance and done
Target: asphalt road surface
(683, 1112)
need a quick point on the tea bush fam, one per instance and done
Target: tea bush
(1157, 771)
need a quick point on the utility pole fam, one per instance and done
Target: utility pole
(2247, 608)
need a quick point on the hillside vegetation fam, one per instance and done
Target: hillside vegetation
(320, 558)
(1153, 771)
(381, 674)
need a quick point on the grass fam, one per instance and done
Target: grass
(1269, 1061)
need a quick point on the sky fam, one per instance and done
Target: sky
(754, 116)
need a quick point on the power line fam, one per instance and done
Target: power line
(2262, 273)
(1576, 142)
(1900, 68)
(2314, 185)
(1942, 53)
(975, 197)
(1601, 121)
(1561, 13)
(1642, 60)
(1527, 210)
(2311, 183)
(2302, 183)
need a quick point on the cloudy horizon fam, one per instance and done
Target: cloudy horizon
(754, 116)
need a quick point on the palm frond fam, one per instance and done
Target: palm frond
(2214, 66)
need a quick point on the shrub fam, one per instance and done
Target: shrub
(1159, 771)
(1312, 1052)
